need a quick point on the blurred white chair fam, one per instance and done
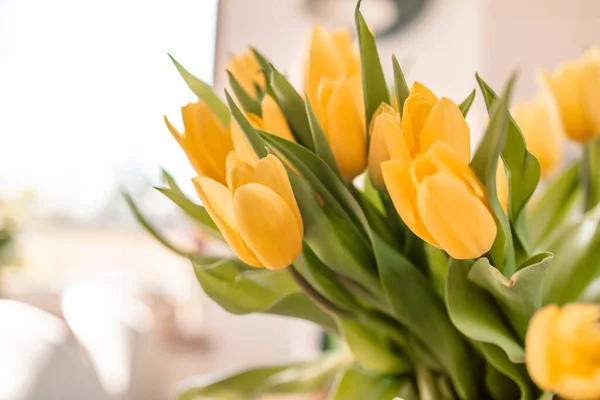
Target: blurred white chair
(39, 360)
(113, 326)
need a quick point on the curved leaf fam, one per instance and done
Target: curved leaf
(357, 384)
(246, 127)
(554, 205)
(204, 92)
(484, 164)
(521, 295)
(465, 106)
(248, 103)
(400, 85)
(474, 312)
(322, 148)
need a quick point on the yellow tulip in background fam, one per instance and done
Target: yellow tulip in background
(272, 121)
(256, 212)
(205, 140)
(563, 350)
(428, 176)
(576, 88)
(328, 55)
(341, 114)
(246, 70)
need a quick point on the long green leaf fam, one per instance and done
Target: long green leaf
(465, 106)
(412, 296)
(248, 103)
(400, 85)
(148, 226)
(293, 108)
(484, 164)
(474, 312)
(303, 377)
(576, 262)
(204, 92)
(322, 148)
(554, 205)
(374, 85)
(523, 171)
(357, 384)
(251, 134)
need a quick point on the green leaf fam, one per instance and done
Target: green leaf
(204, 92)
(484, 164)
(500, 386)
(521, 295)
(412, 296)
(554, 205)
(547, 396)
(357, 384)
(474, 312)
(517, 372)
(523, 171)
(293, 108)
(374, 86)
(303, 377)
(251, 134)
(373, 349)
(150, 229)
(576, 261)
(322, 148)
(170, 181)
(193, 210)
(427, 383)
(400, 85)
(465, 106)
(242, 290)
(248, 103)
(590, 174)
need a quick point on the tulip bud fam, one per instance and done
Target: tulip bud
(247, 71)
(257, 214)
(562, 349)
(341, 114)
(576, 88)
(273, 121)
(540, 123)
(328, 55)
(384, 119)
(205, 140)
(441, 200)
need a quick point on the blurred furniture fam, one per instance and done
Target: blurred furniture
(40, 360)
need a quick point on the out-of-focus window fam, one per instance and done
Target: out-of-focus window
(83, 89)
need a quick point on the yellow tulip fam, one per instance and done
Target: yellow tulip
(247, 71)
(441, 200)
(576, 88)
(205, 140)
(385, 118)
(273, 121)
(328, 55)
(257, 212)
(341, 113)
(562, 350)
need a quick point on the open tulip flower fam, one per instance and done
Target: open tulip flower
(447, 274)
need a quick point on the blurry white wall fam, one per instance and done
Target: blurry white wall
(83, 88)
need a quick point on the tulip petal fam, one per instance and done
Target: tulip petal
(239, 172)
(343, 43)
(267, 225)
(447, 124)
(459, 221)
(218, 203)
(423, 91)
(273, 119)
(396, 175)
(345, 130)
(537, 346)
(324, 92)
(247, 71)
(271, 173)
(591, 93)
(378, 149)
(322, 61)
(414, 114)
(394, 138)
(240, 144)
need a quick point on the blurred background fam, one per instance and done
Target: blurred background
(91, 306)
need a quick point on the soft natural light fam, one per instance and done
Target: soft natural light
(83, 88)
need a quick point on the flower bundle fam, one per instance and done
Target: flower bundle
(443, 271)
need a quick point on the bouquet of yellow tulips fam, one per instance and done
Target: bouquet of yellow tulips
(444, 272)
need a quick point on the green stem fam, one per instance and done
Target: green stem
(590, 174)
